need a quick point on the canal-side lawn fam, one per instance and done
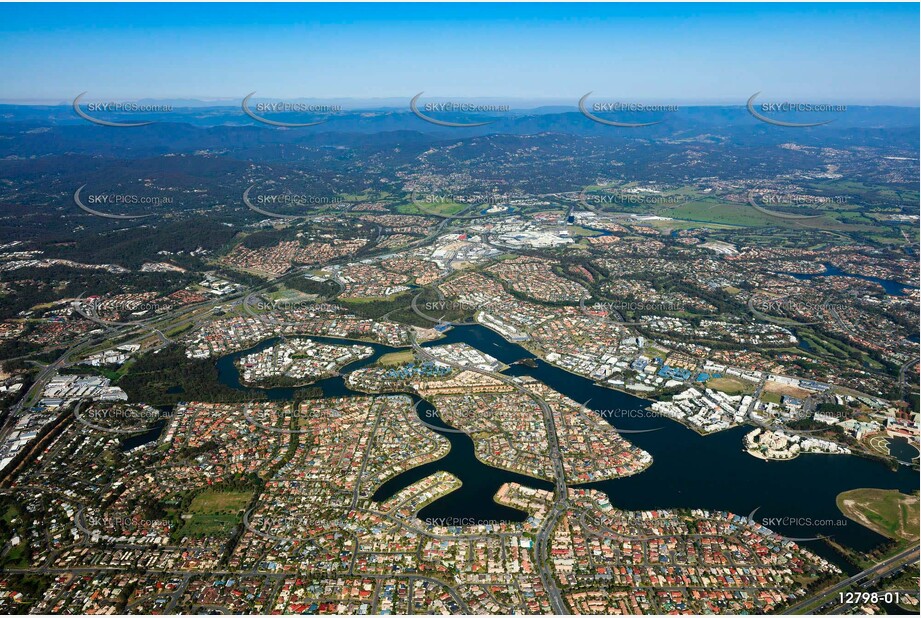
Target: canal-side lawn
(886, 511)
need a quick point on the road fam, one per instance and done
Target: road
(46, 373)
(171, 319)
(560, 493)
(902, 371)
(872, 574)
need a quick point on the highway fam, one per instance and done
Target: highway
(902, 371)
(157, 324)
(872, 574)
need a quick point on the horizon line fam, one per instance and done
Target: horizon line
(397, 102)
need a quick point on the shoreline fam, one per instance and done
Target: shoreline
(759, 455)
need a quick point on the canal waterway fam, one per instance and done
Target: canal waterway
(796, 498)
(891, 287)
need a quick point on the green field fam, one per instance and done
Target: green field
(287, 295)
(731, 386)
(435, 208)
(654, 352)
(214, 513)
(577, 231)
(861, 213)
(397, 358)
(365, 196)
(886, 511)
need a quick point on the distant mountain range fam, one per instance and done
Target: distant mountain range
(685, 122)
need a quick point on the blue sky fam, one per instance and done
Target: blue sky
(689, 53)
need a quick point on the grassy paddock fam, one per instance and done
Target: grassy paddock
(886, 511)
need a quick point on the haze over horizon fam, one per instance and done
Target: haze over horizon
(401, 103)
